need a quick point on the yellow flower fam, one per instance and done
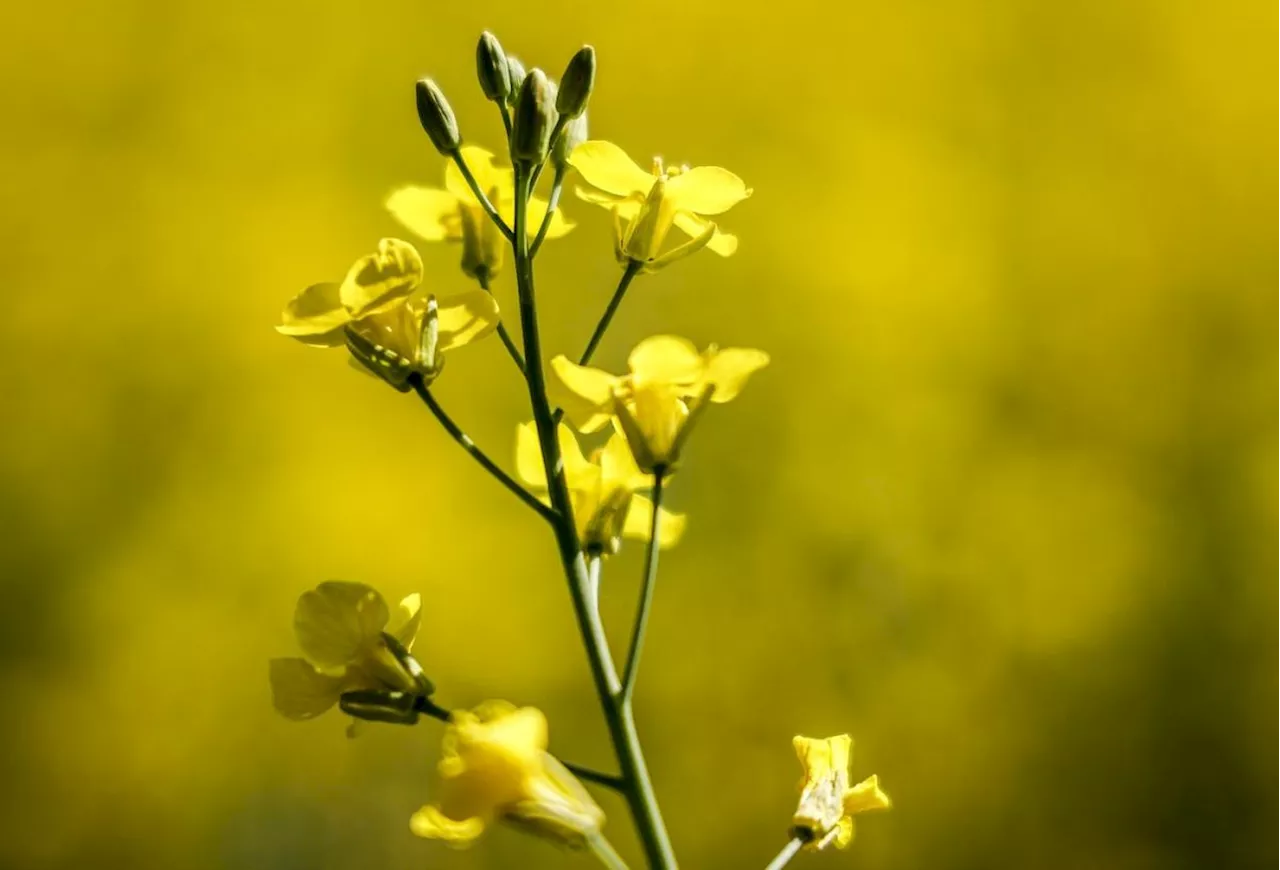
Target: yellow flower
(339, 627)
(455, 214)
(390, 324)
(827, 803)
(646, 205)
(607, 505)
(495, 766)
(656, 404)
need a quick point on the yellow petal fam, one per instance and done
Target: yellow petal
(408, 618)
(722, 243)
(299, 691)
(866, 796)
(426, 212)
(529, 465)
(559, 226)
(465, 317)
(618, 466)
(585, 394)
(480, 162)
(315, 316)
(598, 197)
(665, 359)
(640, 516)
(729, 369)
(432, 824)
(823, 757)
(336, 620)
(707, 190)
(844, 833)
(381, 279)
(606, 166)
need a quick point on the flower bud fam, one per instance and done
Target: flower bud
(516, 75)
(576, 83)
(437, 118)
(535, 115)
(398, 708)
(492, 69)
(573, 135)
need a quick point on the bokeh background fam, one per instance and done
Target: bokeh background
(1003, 507)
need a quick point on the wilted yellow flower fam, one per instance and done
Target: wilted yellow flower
(656, 404)
(391, 325)
(827, 803)
(607, 505)
(455, 214)
(495, 765)
(339, 627)
(645, 205)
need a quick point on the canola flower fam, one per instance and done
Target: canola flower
(827, 802)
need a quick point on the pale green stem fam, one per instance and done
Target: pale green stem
(482, 277)
(618, 716)
(646, 594)
(633, 269)
(604, 851)
(553, 202)
(506, 117)
(481, 196)
(788, 852)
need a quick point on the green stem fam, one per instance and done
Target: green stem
(506, 118)
(604, 851)
(646, 594)
(618, 718)
(477, 454)
(553, 202)
(482, 277)
(633, 269)
(480, 195)
(556, 129)
(788, 852)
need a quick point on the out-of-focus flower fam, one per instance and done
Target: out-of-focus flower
(455, 214)
(655, 406)
(391, 326)
(339, 627)
(605, 490)
(646, 205)
(495, 766)
(827, 803)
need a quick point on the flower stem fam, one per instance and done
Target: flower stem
(506, 118)
(603, 850)
(553, 202)
(646, 595)
(482, 278)
(633, 269)
(618, 718)
(477, 454)
(788, 852)
(480, 195)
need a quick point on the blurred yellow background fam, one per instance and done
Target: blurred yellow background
(1003, 506)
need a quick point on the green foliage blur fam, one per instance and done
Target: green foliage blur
(1003, 507)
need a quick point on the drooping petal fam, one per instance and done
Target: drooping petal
(299, 691)
(866, 796)
(381, 279)
(665, 359)
(727, 370)
(426, 212)
(465, 317)
(707, 190)
(585, 394)
(480, 162)
(334, 622)
(315, 316)
(640, 516)
(404, 627)
(721, 242)
(430, 823)
(606, 166)
(559, 226)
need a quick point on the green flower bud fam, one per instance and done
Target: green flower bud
(437, 118)
(576, 83)
(492, 68)
(573, 135)
(535, 115)
(398, 708)
(516, 75)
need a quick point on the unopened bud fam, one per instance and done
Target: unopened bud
(437, 118)
(576, 83)
(491, 68)
(571, 136)
(535, 115)
(516, 75)
(398, 708)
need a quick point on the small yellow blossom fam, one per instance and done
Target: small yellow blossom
(607, 505)
(390, 324)
(646, 205)
(495, 766)
(455, 214)
(827, 803)
(670, 383)
(339, 627)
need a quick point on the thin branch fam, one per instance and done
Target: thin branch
(553, 202)
(788, 852)
(477, 454)
(604, 851)
(480, 195)
(646, 595)
(588, 774)
(482, 277)
(633, 269)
